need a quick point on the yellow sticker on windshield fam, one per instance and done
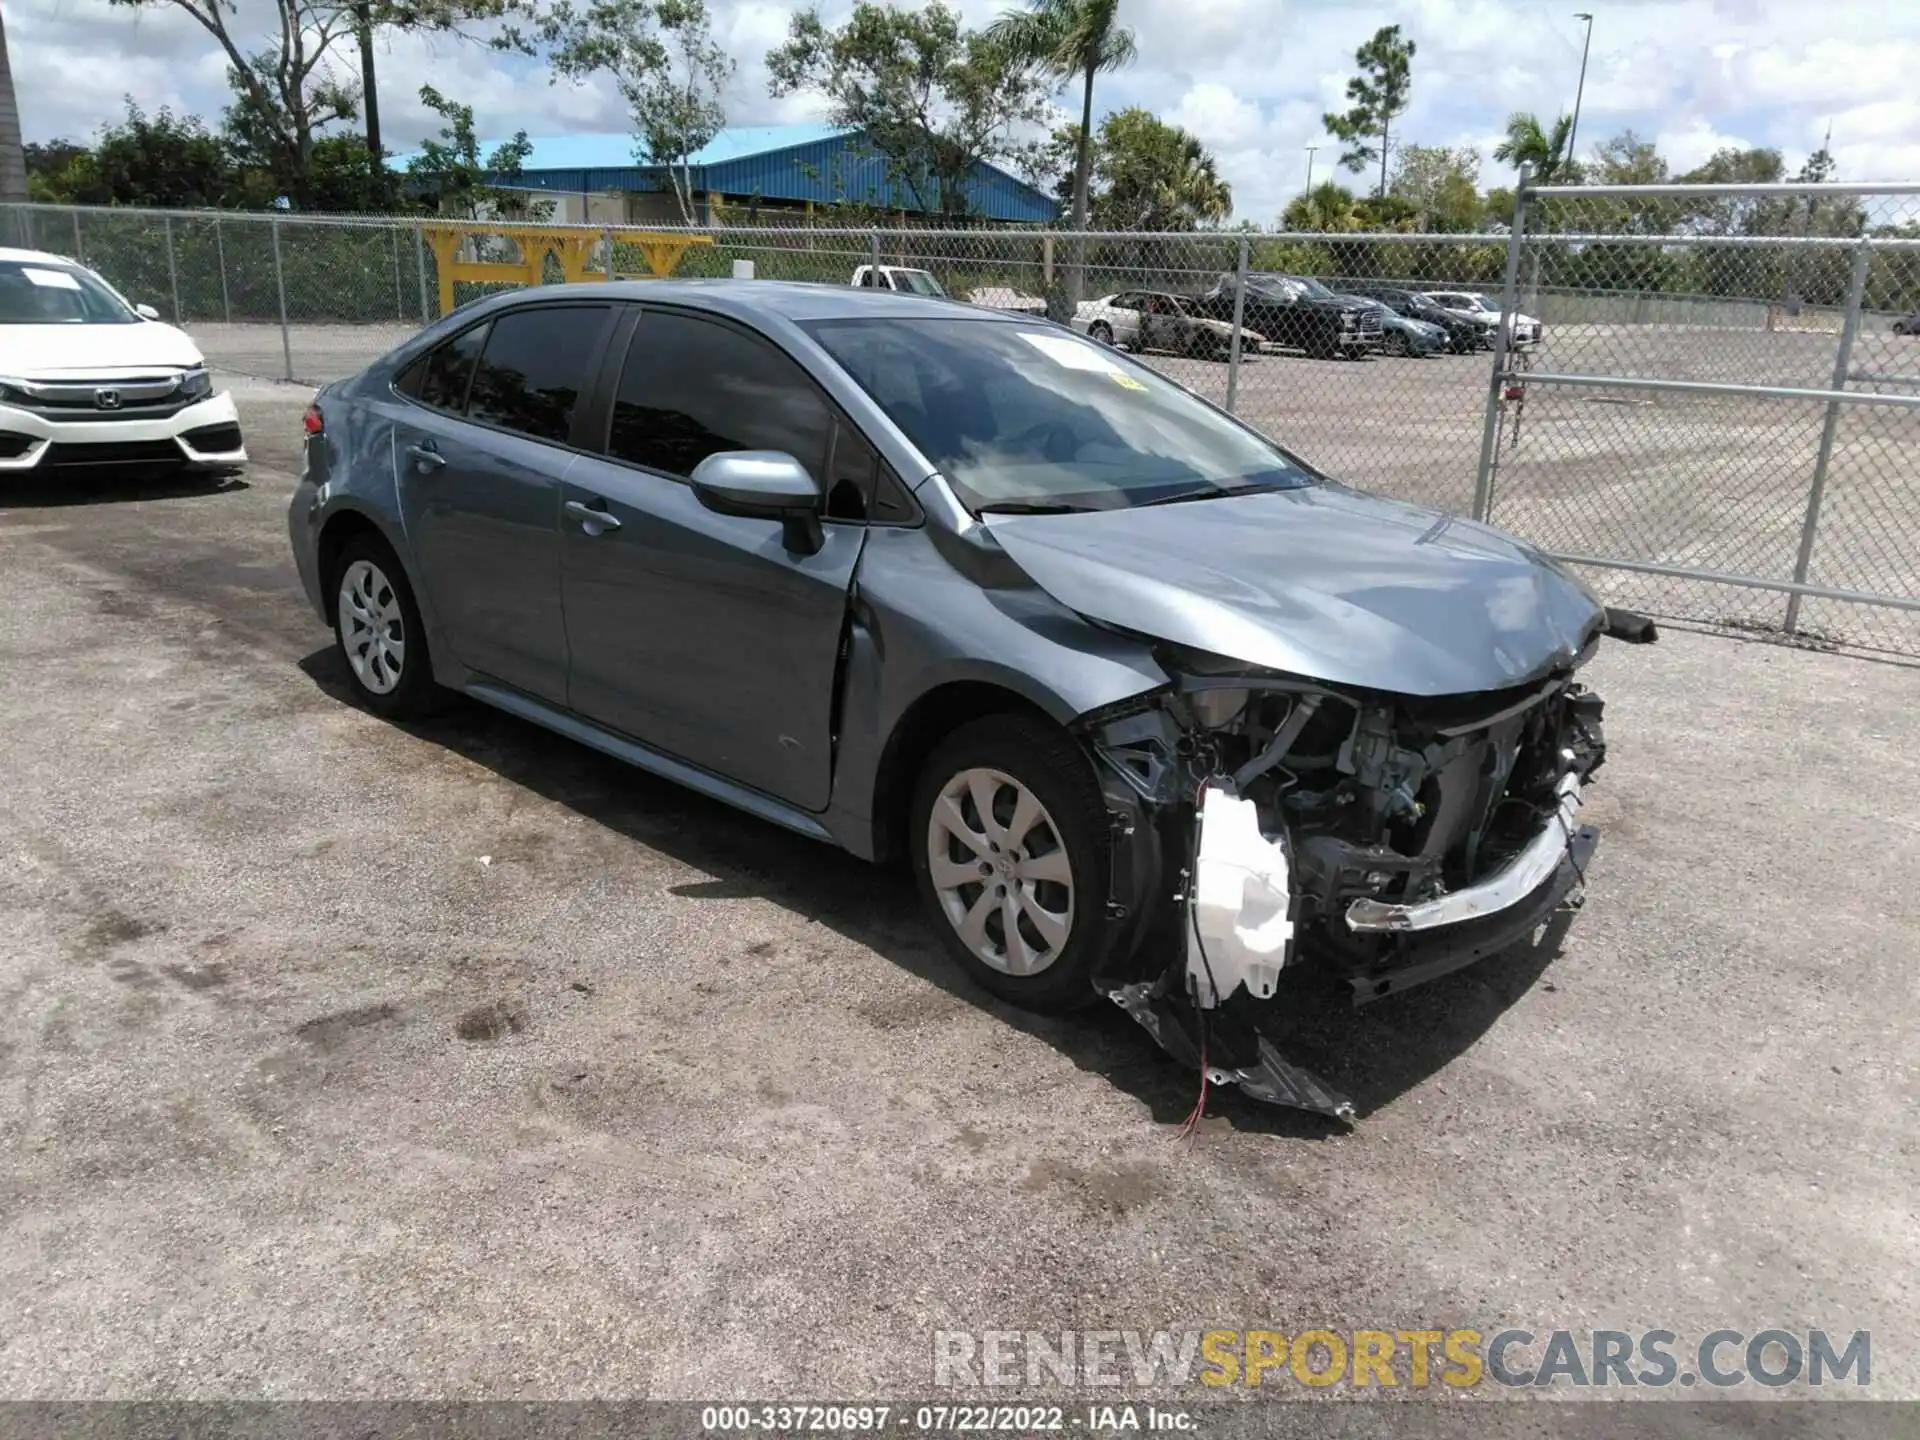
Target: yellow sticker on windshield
(1128, 381)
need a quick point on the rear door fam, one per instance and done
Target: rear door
(701, 634)
(478, 459)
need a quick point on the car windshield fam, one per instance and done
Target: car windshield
(1312, 286)
(1034, 417)
(48, 293)
(1278, 285)
(1487, 303)
(917, 281)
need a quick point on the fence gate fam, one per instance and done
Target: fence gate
(1718, 418)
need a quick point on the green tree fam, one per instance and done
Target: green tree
(1442, 185)
(1070, 39)
(13, 155)
(932, 99)
(1325, 209)
(1147, 175)
(454, 179)
(161, 160)
(1379, 94)
(662, 59)
(1528, 142)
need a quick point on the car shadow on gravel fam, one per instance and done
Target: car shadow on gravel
(40, 492)
(1372, 1055)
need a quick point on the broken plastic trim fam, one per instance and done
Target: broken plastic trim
(1271, 1078)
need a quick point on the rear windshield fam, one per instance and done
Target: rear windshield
(1032, 415)
(34, 293)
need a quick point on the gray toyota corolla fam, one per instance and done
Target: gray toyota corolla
(1156, 712)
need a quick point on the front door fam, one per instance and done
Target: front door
(479, 460)
(701, 634)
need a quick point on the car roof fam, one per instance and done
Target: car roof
(37, 257)
(788, 299)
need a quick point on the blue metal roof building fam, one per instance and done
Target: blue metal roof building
(780, 166)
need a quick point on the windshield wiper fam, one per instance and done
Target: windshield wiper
(1212, 492)
(1030, 507)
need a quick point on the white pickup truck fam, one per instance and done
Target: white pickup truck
(897, 277)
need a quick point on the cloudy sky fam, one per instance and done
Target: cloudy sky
(1250, 77)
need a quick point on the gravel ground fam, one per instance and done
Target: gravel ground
(341, 1060)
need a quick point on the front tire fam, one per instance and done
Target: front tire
(376, 624)
(1396, 345)
(1010, 855)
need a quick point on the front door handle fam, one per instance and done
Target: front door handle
(594, 522)
(426, 457)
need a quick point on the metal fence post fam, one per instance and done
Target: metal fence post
(1842, 367)
(609, 234)
(79, 252)
(420, 259)
(1239, 313)
(873, 255)
(280, 284)
(1496, 381)
(220, 260)
(399, 293)
(173, 273)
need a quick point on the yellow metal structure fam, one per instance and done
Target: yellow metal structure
(570, 245)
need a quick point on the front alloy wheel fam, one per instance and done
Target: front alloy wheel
(1003, 877)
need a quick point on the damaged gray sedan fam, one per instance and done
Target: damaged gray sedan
(1156, 712)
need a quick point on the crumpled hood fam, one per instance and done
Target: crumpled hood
(46, 351)
(1322, 582)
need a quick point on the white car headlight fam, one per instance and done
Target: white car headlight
(196, 384)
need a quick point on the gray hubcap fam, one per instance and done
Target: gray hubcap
(371, 629)
(1002, 874)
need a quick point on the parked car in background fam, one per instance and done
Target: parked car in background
(89, 379)
(1401, 336)
(1908, 326)
(1156, 320)
(1005, 297)
(1290, 315)
(1463, 335)
(1485, 311)
(902, 278)
(1101, 662)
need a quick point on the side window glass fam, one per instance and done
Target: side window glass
(444, 374)
(691, 388)
(534, 368)
(890, 504)
(849, 477)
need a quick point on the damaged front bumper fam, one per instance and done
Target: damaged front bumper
(1395, 838)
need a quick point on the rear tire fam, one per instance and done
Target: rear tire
(1010, 854)
(1396, 344)
(376, 624)
(1100, 332)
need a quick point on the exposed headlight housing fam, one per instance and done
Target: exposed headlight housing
(196, 384)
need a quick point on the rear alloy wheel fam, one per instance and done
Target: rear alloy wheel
(378, 629)
(1010, 854)
(1101, 332)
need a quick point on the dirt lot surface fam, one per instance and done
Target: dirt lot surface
(340, 1059)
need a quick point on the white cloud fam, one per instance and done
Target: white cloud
(1250, 77)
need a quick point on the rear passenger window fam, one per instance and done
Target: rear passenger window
(693, 388)
(534, 367)
(443, 376)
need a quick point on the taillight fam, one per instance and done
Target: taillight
(312, 422)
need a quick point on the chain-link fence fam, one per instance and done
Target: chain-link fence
(1674, 399)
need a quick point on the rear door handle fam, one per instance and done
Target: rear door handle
(426, 457)
(594, 522)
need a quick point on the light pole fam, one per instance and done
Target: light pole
(1580, 89)
(1310, 150)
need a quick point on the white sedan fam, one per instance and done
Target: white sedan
(89, 380)
(1112, 320)
(1485, 312)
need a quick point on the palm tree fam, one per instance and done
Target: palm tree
(1068, 38)
(1194, 191)
(1327, 208)
(13, 155)
(1529, 143)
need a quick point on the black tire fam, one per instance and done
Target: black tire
(1396, 344)
(413, 693)
(1042, 758)
(1100, 332)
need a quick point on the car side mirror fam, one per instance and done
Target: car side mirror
(146, 312)
(764, 485)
